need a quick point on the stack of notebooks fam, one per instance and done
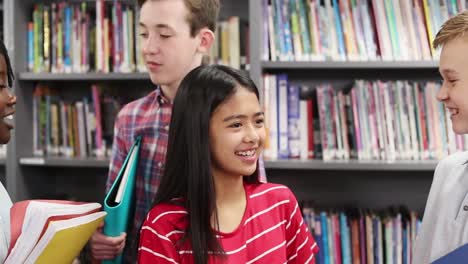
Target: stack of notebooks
(51, 231)
(55, 231)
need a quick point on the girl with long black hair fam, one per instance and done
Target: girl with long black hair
(210, 206)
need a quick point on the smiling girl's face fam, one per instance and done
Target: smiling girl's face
(237, 135)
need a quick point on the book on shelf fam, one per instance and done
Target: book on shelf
(362, 235)
(65, 37)
(363, 120)
(231, 44)
(304, 30)
(74, 128)
(50, 231)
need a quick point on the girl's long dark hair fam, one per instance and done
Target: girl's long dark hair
(188, 162)
(4, 52)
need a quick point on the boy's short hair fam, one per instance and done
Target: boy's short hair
(453, 28)
(202, 13)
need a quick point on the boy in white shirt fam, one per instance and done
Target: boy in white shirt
(7, 101)
(445, 222)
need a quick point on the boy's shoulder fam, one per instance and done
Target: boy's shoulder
(138, 105)
(452, 161)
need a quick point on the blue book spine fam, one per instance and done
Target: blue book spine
(294, 137)
(339, 30)
(318, 230)
(287, 30)
(68, 37)
(279, 29)
(345, 243)
(405, 245)
(283, 146)
(326, 253)
(30, 48)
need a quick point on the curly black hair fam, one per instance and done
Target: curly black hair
(4, 52)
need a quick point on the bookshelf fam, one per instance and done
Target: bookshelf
(22, 166)
(29, 176)
(371, 184)
(367, 184)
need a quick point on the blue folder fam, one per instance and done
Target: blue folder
(118, 214)
(457, 256)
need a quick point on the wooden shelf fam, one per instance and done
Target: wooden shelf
(92, 76)
(65, 162)
(365, 65)
(350, 165)
(276, 164)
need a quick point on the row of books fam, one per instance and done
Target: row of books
(231, 46)
(353, 29)
(80, 37)
(363, 236)
(103, 37)
(78, 128)
(369, 120)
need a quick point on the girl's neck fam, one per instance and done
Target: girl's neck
(229, 190)
(231, 203)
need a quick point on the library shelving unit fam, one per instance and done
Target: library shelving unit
(29, 176)
(373, 184)
(366, 184)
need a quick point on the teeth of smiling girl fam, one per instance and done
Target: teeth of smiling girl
(8, 119)
(245, 153)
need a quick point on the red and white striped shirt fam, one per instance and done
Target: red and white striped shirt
(272, 230)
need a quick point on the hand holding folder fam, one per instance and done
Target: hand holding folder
(119, 200)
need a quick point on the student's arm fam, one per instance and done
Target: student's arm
(154, 246)
(301, 247)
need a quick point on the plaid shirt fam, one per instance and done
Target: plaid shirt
(149, 117)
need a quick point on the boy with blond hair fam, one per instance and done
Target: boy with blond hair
(445, 222)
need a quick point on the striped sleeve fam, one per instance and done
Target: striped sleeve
(155, 246)
(300, 245)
